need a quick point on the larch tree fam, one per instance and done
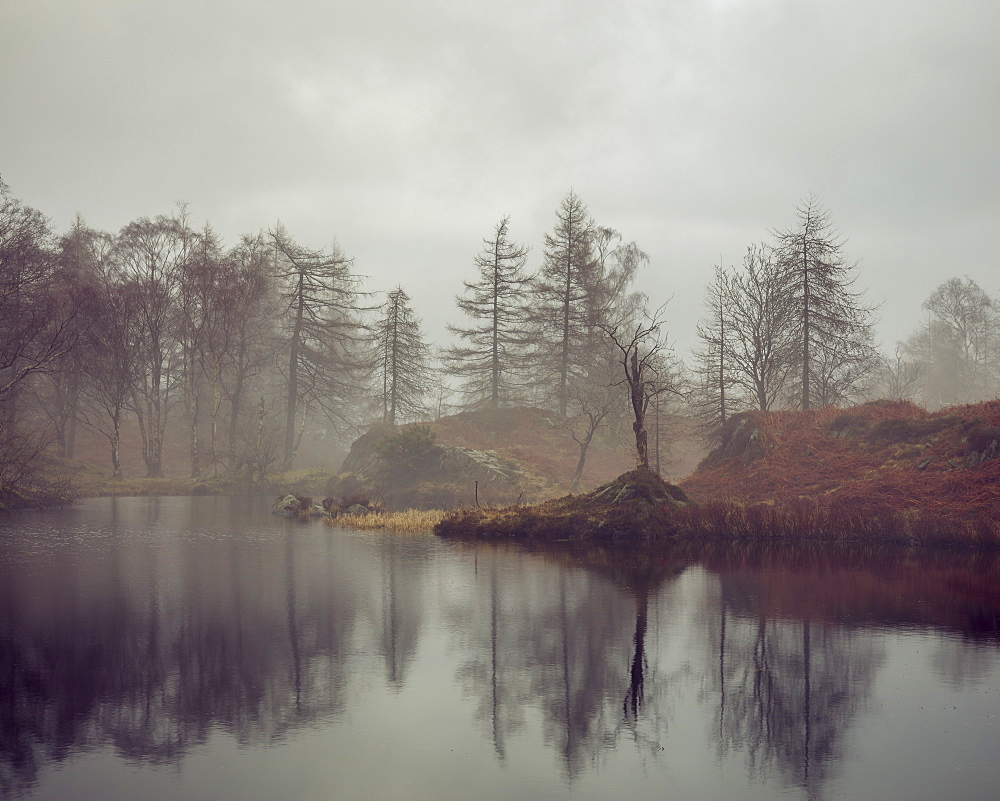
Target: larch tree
(323, 335)
(833, 326)
(712, 398)
(402, 356)
(561, 291)
(489, 361)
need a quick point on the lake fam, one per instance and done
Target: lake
(199, 648)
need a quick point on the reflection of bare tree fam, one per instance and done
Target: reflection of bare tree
(149, 647)
(568, 641)
(787, 690)
(402, 608)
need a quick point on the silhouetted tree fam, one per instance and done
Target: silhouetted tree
(324, 337)
(491, 357)
(712, 398)
(149, 257)
(639, 344)
(561, 294)
(402, 354)
(833, 327)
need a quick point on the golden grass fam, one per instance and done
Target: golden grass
(409, 520)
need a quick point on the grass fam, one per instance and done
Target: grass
(405, 521)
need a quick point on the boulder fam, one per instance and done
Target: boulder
(288, 506)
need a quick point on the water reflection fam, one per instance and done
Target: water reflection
(125, 629)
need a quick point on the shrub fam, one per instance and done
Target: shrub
(403, 449)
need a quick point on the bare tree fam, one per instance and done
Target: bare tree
(149, 257)
(492, 353)
(36, 326)
(900, 377)
(968, 334)
(592, 406)
(324, 336)
(712, 399)
(639, 344)
(114, 368)
(760, 348)
(833, 326)
(561, 291)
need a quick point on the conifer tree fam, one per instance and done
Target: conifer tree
(490, 359)
(404, 376)
(324, 337)
(833, 326)
(562, 288)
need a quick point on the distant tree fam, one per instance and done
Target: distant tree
(561, 293)
(592, 407)
(242, 345)
(36, 330)
(149, 258)
(324, 336)
(712, 396)
(760, 348)
(114, 358)
(491, 355)
(200, 300)
(968, 325)
(56, 391)
(833, 326)
(402, 354)
(900, 377)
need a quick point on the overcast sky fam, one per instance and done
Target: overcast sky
(406, 130)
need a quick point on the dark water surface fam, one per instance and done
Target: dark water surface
(197, 648)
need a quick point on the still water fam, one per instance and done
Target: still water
(198, 648)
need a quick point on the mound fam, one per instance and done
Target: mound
(636, 506)
(884, 454)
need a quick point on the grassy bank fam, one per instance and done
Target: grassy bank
(84, 480)
(639, 508)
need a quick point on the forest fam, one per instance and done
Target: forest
(245, 354)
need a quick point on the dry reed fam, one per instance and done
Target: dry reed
(408, 520)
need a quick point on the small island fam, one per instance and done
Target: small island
(884, 472)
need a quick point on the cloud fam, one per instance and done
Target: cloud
(406, 130)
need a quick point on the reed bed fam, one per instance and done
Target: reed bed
(410, 520)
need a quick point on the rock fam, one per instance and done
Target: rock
(287, 507)
(357, 509)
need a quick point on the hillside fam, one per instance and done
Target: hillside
(888, 455)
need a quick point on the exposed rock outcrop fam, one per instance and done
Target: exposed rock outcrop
(439, 476)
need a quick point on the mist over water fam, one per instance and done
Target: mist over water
(200, 648)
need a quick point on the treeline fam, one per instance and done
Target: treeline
(252, 347)
(255, 347)
(788, 330)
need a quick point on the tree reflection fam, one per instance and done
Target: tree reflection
(147, 651)
(787, 689)
(568, 641)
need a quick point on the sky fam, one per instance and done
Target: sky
(405, 131)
